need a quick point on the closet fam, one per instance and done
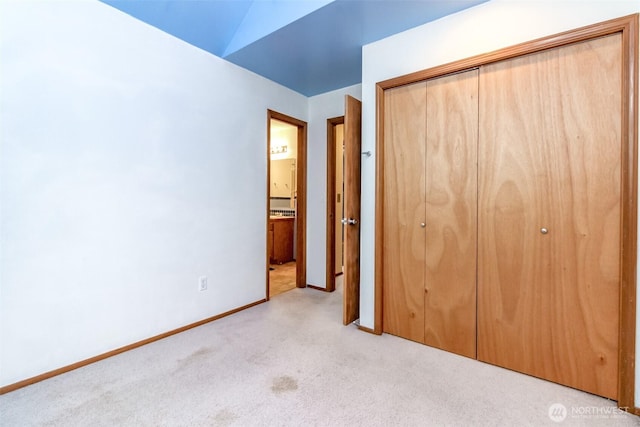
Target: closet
(501, 212)
(549, 214)
(430, 212)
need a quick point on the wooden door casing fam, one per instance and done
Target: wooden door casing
(451, 213)
(550, 150)
(300, 198)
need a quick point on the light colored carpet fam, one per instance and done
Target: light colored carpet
(290, 362)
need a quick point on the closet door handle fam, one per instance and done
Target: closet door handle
(423, 225)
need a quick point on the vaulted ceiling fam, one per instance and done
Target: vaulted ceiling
(310, 46)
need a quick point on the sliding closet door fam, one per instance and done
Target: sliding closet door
(403, 213)
(451, 212)
(549, 214)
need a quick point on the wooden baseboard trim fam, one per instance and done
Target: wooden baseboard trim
(318, 288)
(65, 369)
(634, 410)
(369, 330)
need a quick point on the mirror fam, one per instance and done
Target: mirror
(283, 179)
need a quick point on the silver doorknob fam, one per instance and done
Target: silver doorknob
(544, 230)
(423, 225)
(350, 221)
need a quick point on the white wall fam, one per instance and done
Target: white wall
(321, 108)
(284, 135)
(116, 144)
(131, 163)
(478, 30)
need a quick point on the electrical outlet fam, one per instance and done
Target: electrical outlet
(203, 283)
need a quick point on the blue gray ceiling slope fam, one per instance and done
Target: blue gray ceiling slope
(310, 46)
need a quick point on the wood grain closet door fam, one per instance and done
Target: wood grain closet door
(403, 212)
(549, 214)
(451, 213)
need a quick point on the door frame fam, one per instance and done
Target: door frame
(628, 27)
(301, 198)
(331, 202)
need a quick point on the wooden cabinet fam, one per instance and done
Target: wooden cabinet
(281, 239)
(270, 241)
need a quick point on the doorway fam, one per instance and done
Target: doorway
(335, 200)
(286, 204)
(343, 219)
